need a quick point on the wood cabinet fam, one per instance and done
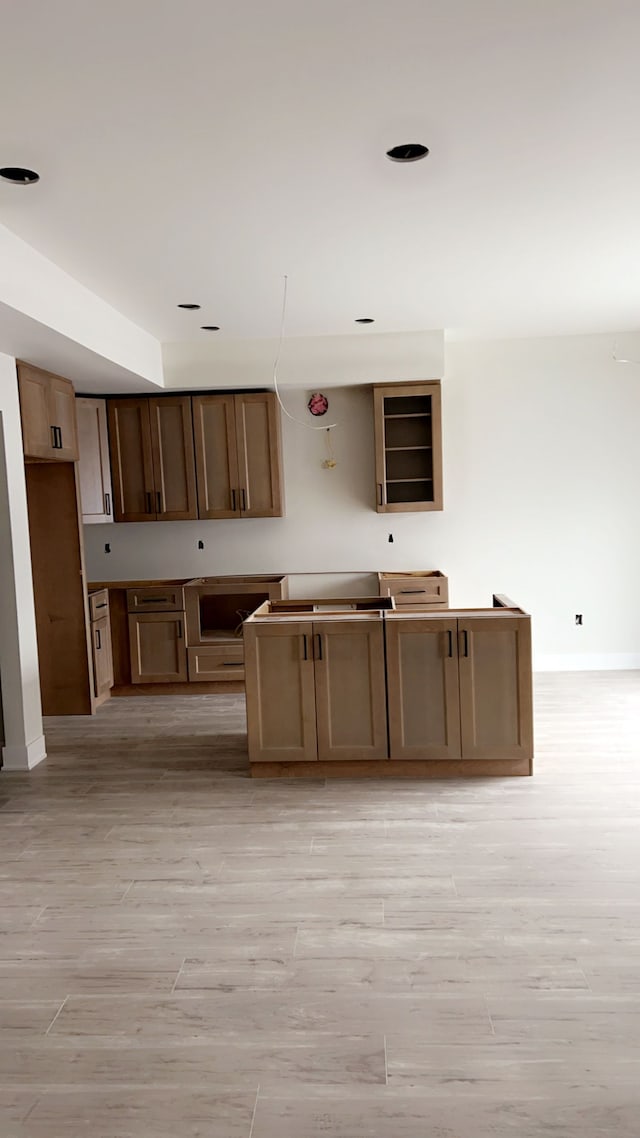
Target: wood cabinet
(316, 690)
(48, 414)
(408, 446)
(101, 645)
(94, 471)
(158, 649)
(152, 461)
(459, 687)
(425, 589)
(238, 455)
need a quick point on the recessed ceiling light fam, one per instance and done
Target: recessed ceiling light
(19, 175)
(409, 152)
(191, 307)
(364, 320)
(210, 327)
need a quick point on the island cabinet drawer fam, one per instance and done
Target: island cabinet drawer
(156, 598)
(415, 588)
(98, 604)
(222, 662)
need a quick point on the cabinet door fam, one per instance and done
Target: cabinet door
(216, 456)
(279, 682)
(259, 455)
(102, 658)
(93, 467)
(422, 685)
(131, 460)
(158, 650)
(37, 427)
(495, 687)
(408, 447)
(62, 403)
(173, 461)
(351, 705)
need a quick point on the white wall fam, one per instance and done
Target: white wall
(24, 741)
(542, 467)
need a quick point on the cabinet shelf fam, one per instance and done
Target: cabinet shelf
(387, 449)
(395, 481)
(410, 415)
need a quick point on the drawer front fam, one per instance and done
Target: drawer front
(219, 663)
(417, 590)
(99, 604)
(156, 598)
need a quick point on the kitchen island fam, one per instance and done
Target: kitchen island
(357, 688)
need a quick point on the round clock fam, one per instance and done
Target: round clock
(318, 404)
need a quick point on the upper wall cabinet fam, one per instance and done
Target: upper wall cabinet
(238, 455)
(408, 442)
(152, 463)
(48, 412)
(93, 468)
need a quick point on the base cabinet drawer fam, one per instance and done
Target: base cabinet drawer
(415, 589)
(156, 598)
(222, 662)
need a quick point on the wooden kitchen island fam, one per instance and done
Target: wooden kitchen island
(356, 688)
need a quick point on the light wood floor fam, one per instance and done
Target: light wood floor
(187, 952)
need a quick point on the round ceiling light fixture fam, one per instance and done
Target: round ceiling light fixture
(408, 152)
(210, 327)
(19, 176)
(364, 320)
(190, 307)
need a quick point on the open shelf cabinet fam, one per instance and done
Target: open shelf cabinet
(408, 436)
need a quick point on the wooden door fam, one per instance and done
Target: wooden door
(351, 705)
(131, 460)
(259, 455)
(62, 402)
(173, 459)
(216, 456)
(422, 686)
(38, 436)
(93, 466)
(280, 693)
(158, 649)
(495, 687)
(102, 658)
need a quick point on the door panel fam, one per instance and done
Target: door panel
(422, 678)
(495, 687)
(173, 460)
(93, 467)
(259, 459)
(351, 708)
(37, 428)
(63, 416)
(279, 682)
(131, 460)
(216, 456)
(158, 650)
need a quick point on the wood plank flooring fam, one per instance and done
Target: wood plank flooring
(185, 952)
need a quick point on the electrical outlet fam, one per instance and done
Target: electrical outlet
(578, 618)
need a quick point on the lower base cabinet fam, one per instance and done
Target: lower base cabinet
(316, 690)
(158, 648)
(459, 688)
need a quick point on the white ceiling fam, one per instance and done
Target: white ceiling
(198, 150)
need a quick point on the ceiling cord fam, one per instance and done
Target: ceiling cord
(300, 422)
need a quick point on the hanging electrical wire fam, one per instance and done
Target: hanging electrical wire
(293, 418)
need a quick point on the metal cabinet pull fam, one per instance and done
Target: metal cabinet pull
(243, 498)
(60, 444)
(107, 504)
(304, 645)
(235, 664)
(319, 656)
(405, 592)
(98, 639)
(147, 495)
(153, 600)
(102, 605)
(159, 501)
(233, 501)
(380, 499)
(465, 641)
(179, 630)
(54, 437)
(450, 635)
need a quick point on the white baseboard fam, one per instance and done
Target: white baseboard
(587, 662)
(24, 758)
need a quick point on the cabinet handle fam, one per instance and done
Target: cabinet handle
(102, 605)
(179, 630)
(59, 430)
(405, 592)
(243, 498)
(147, 495)
(233, 501)
(153, 600)
(98, 639)
(465, 641)
(304, 647)
(228, 664)
(107, 504)
(450, 635)
(159, 501)
(380, 499)
(319, 656)
(54, 444)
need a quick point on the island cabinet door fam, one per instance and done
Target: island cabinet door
(494, 659)
(281, 707)
(422, 686)
(351, 705)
